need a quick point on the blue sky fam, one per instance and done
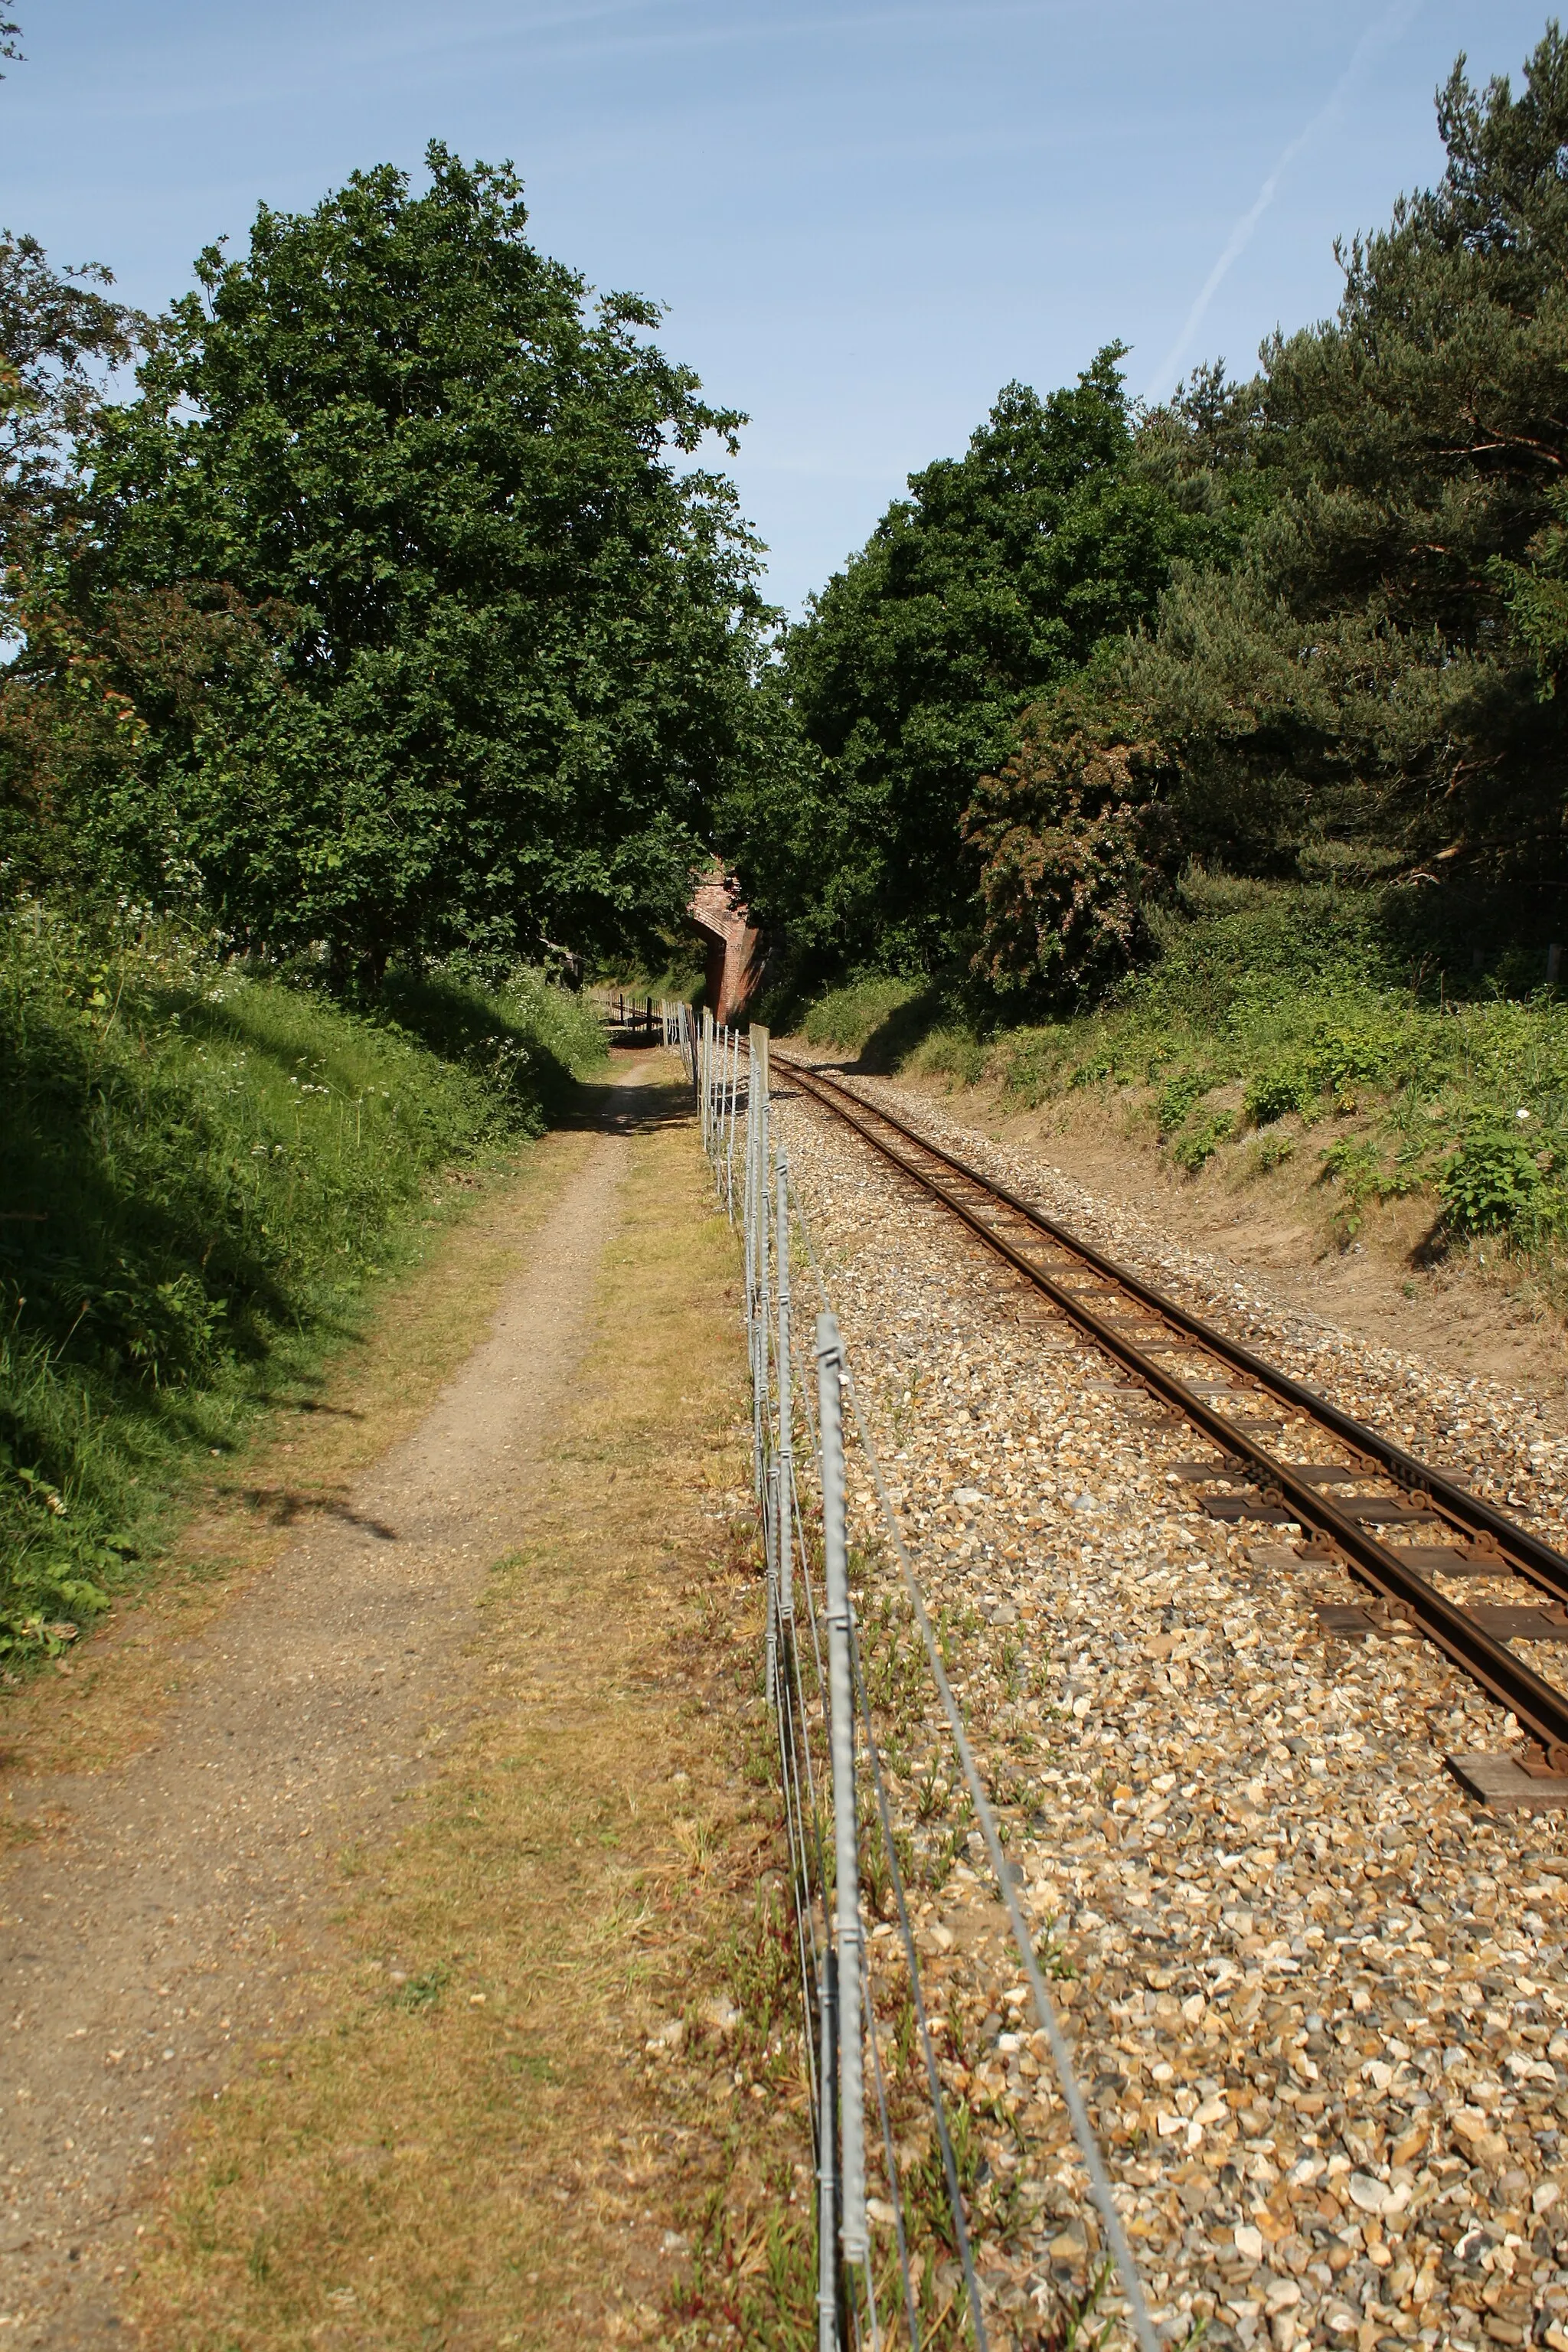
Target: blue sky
(863, 218)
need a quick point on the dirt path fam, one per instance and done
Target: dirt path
(171, 1924)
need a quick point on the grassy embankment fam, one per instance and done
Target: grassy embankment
(1290, 1035)
(203, 1172)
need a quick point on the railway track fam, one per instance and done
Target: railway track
(1399, 1527)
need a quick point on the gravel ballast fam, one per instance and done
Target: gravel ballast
(1316, 1995)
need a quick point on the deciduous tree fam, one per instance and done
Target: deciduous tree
(483, 621)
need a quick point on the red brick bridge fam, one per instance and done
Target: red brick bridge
(734, 945)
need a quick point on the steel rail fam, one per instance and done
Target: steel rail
(1537, 1706)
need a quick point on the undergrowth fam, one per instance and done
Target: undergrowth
(201, 1171)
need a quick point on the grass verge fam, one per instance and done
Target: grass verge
(552, 2095)
(203, 1172)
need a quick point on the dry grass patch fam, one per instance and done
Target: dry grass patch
(552, 2095)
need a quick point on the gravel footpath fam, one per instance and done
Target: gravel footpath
(1318, 1997)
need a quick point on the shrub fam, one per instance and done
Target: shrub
(1342, 1058)
(1273, 1093)
(1491, 1181)
(1180, 1096)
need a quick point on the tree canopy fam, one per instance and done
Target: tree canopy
(997, 577)
(1365, 689)
(434, 632)
(401, 612)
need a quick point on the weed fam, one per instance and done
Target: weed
(759, 1963)
(1271, 1152)
(1051, 1953)
(421, 1993)
(1180, 1096)
(1196, 1147)
(1492, 1181)
(1070, 2333)
(1355, 1165)
(1272, 1095)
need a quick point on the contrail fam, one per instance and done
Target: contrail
(1377, 37)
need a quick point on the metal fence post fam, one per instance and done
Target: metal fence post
(841, 1728)
(730, 1147)
(750, 1256)
(784, 1544)
(769, 1490)
(761, 1334)
(826, 2186)
(703, 1088)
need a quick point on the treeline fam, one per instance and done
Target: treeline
(397, 616)
(1305, 627)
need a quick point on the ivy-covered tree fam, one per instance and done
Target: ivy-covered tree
(997, 577)
(440, 633)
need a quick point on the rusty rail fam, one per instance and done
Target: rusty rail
(1536, 1704)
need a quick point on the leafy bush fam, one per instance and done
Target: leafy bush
(1180, 1096)
(1490, 1182)
(1344, 1057)
(201, 1171)
(1274, 1093)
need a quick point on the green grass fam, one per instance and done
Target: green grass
(1282, 1024)
(201, 1172)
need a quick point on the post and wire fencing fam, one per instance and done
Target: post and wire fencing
(895, 2157)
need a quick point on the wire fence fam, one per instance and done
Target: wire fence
(895, 2251)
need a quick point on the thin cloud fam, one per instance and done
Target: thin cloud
(569, 31)
(1395, 20)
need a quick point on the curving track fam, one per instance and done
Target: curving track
(1361, 1510)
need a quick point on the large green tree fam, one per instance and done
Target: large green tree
(999, 575)
(439, 634)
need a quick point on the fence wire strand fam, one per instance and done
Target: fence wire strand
(735, 1113)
